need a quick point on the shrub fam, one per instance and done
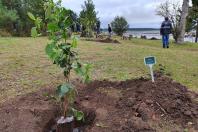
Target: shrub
(119, 25)
(88, 18)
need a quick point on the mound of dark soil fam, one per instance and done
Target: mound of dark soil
(128, 106)
(106, 40)
(140, 105)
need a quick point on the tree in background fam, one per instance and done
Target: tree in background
(7, 18)
(192, 21)
(74, 18)
(182, 23)
(88, 18)
(195, 2)
(177, 16)
(119, 25)
(23, 24)
(173, 12)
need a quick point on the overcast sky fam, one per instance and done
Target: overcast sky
(139, 13)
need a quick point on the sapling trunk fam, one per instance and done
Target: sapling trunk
(65, 106)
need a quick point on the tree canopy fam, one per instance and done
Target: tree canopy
(88, 17)
(22, 24)
(173, 12)
(195, 2)
(119, 25)
(7, 17)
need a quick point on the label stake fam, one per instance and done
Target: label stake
(150, 61)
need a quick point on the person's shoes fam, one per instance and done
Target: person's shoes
(167, 47)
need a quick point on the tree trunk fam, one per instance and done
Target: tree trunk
(196, 37)
(182, 24)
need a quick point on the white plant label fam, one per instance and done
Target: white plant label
(150, 61)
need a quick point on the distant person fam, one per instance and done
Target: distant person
(78, 28)
(97, 29)
(165, 31)
(109, 30)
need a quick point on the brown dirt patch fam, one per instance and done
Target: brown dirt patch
(128, 106)
(106, 40)
(28, 113)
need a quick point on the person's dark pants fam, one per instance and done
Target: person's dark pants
(165, 41)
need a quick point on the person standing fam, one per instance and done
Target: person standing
(97, 29)
(165, 31)
(109, 30)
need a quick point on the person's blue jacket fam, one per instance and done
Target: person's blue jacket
(166, 28)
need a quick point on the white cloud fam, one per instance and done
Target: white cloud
(139, 13)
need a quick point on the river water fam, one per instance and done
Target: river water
(150, 34)
(154, 33)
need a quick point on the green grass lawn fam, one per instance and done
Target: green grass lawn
(24, 67)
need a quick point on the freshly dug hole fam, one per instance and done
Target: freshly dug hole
(53, 126)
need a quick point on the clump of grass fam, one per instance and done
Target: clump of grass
(109, 48)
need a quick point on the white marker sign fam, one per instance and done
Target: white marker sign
(150, 61)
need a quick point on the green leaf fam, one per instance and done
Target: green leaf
(62, 90)
(65, 46)
(52, 27)
(34, 32)
(79, 115)
(58, 56)
(87, 69)
(78, 69)
(50, 50)
(38, 22)
(74, 42)
(83, 71)
(31, 16)
(65, 34)
(67, 22)
(48, 11)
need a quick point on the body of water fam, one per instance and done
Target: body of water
(150, 34)
(154, 33)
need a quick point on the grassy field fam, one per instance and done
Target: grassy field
(24, 67)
